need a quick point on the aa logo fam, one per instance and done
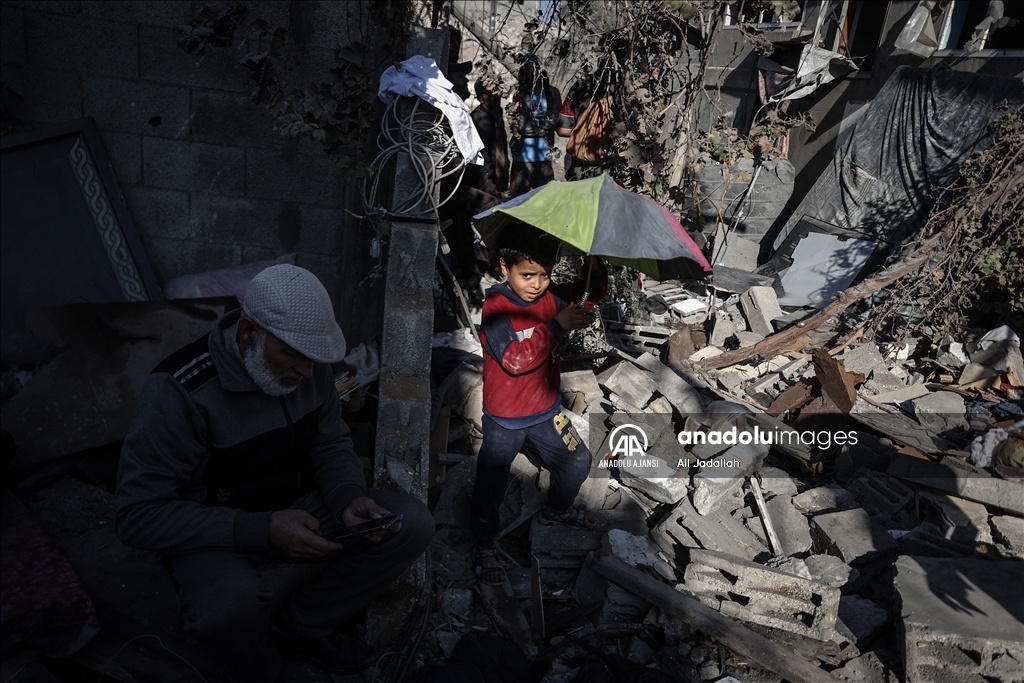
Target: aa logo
(628, 441)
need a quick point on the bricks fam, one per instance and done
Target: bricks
(760, 306)
(49, 96)
(629, 382)
(756, 594)
(179, 165)
(159, 213)
(411, 261)
(790, 526)
(959, 619)
(851, 536)
(236, 219)
(251, 124)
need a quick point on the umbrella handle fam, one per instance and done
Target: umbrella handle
(586, 285)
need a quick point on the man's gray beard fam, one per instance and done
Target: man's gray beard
(259, 369)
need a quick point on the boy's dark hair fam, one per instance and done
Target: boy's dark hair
(521, 242)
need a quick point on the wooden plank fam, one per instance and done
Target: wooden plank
(738, 638)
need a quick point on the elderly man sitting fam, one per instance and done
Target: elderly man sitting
(237, 461)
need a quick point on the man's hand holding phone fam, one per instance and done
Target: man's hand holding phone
(365, 518)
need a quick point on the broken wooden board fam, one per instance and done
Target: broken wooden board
(792, 398)
(837, 384)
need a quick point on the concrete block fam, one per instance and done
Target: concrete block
(47, 96)
(136, 107)
(660, 406)
(285, 175)
(159, 213)
(725, 474)
(948, 477)
(927, 540)
(179, 165)
(638, 551)
(878, 493)
(162, 61)
(760, 306)
(164, 13)
(584, 381)
(1009, 532)
(882, 382)
(795, 369)
(173, 257)
(705, 353)
(240, 219)
(722, 328)
(851, 536)
(824, 498)
(765, 384)
(957, 619)
(82, 44)
(677, 390)
(940, 411)
(629, 382)
(760, 595)
(411, 262)
(731, 378)
(790, 526)
(561, 546)
(403, 434)
(251, 125)
(684, 528)
(746, 338)
(831, 571)
(959, 520)
(776, 482)
(869, 452)
(862, 358)
(125, 152)
(862, 617)
(868, 668)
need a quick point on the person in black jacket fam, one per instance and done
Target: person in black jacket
(237, 464)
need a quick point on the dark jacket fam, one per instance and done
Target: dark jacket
(209, 455)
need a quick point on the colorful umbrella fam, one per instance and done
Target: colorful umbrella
(600, 218)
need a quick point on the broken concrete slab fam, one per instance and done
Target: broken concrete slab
(862, 359)
(720, 476)
(824, 498)
(882, 382)
(958, 621)
(831, 571)
(660, 406)
(945, 476)
(899, 428)
(926, 540)
(583, 381)
(790, 526)
(760, 306)
(722, 328)
(1009, 532)
(796, 369)
(745, 338)
(959, 520)
(940, 411)
(684, 528)
(851, 536)
(638, 551)
(463, 391)
(706, 353)
(629, 382)
(680, 347)
(732, 377)
(869, 452)
(878, 493)
(685, 398)
(864, 618)
(776, 482)
(868, 668)
(760, 595)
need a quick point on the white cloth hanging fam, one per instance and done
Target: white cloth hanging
(420, 76)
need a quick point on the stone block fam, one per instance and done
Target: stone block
(959, 620)
(638, 551)
(239, 219)
(82, 44)
(47, 96)
(403, 434)
(756, 594)
(927, 540)
(399, 354)
(731, 378)
(159, 213)
(766, 384)
(940, 411)
(562, 547)
(868, 668)
(660, 406)
(173, 257)
(869, 452)
(251, 125)
(162, 61)
(831, 571)
(583, 381)
(179, 165)
(629, 382)
(746, 338)
(851, 536)
(864, 618)
(862, 358)
(289, 176)
(959, 520)
(706, 353)
(136, 107)
(776, 482)
(795, 369)
(948, 477)
(760, 306)
(722, 328)
(677, 390)
(824, 498)
(728, 472)
(684, 528)
(1009, 532)
(411, 261)
(882, 382)
(790, 526)
(878, 493)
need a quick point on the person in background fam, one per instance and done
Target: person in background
(538, 104)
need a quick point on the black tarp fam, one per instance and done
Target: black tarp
(909, 145)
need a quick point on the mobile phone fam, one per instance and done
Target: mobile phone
(366, 528)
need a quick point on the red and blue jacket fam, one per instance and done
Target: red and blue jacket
(522, 368)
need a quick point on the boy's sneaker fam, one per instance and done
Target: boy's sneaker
(334, 652)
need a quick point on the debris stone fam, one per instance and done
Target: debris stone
(732, 377)
(851, 536)
(878, 493)
(862, 359)
(926, 540)
(463, 390)
(882, 382)
(790, 526)
(831, 571)
(940, 411)
(1009, 531)
(712, 484)
(838, 385)
(959, 520)
(722, 328)
(628, 381)
(746, 339)
(760, 595)
(660, 406)
(862, 617)
(680, 347)
(720, 533)
(870, 451)
(706, 353)
(776, 482)
(958, 622)
(760, 305)
(824, 498)
(678, 391)
(638, 551)
(583, 381)
(951, 476)
(867, 668)
(796, 369)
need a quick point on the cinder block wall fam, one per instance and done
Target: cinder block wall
(207, 180)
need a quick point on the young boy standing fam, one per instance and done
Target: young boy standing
(522, 323)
